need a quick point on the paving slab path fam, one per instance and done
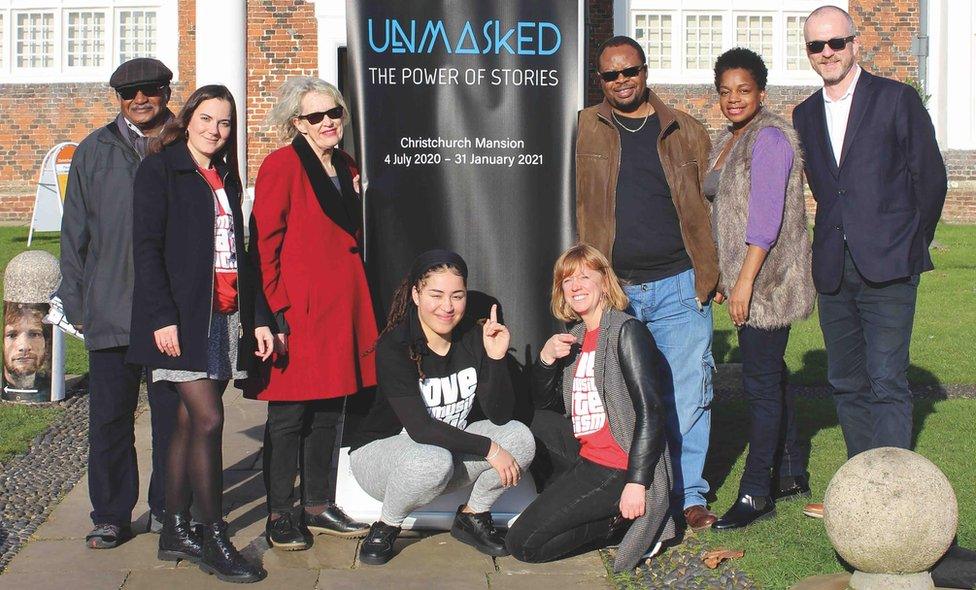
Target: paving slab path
(56, 556)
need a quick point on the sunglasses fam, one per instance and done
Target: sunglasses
(837, 43)
(316, 118)
(627, 72)
(147, 90)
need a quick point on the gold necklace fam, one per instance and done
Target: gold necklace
(615, 118)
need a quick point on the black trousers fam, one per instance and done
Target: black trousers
(867, 330)
(113, 475)
(300, 433)
(772, 426)
(579, 505)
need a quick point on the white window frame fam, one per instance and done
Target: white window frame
(167, 39)
(730, 10)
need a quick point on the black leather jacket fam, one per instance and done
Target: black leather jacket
(636, 359)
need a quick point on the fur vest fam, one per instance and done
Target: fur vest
(783, 292)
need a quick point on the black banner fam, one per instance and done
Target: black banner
(464, 113)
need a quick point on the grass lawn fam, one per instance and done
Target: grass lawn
(945, 321)
(781, 551)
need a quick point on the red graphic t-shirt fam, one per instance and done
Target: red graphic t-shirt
(225, 251)
(590, 424)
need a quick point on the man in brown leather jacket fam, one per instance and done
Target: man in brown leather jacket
(639, 171)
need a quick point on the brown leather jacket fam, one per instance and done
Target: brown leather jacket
(683, 146)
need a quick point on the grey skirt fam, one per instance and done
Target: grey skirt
(221, 353)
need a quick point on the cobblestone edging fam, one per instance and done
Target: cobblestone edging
(32, 484)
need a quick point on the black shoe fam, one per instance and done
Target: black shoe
(282, 533)
(746, 510)
(478, 530)
(107, 536)
(377, 547)
(221, 558)
(791, 488)
(333, 521)
(178, 540)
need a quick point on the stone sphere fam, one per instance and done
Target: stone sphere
(890, 510)
(31, 277)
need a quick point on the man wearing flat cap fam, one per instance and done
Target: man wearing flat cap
(96, 289)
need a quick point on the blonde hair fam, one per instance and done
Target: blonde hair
(289, 105)
(572, 260)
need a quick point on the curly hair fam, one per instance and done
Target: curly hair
(744, 59)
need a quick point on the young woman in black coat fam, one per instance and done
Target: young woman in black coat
(199, 318)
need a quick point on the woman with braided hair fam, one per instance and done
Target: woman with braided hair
(442, 416)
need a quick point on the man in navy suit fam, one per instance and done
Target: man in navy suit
(874, 167)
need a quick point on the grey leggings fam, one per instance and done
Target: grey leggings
(406, 475)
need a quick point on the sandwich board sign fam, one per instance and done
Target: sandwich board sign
(51, 189)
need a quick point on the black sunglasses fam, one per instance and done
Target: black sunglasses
(147, 90)
(837, 43)
(627, 72)
(316, 118)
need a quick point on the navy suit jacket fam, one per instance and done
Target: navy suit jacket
(886, 195)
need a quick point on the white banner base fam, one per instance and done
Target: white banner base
(439, 514)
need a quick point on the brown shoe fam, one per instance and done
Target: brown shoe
(699, 517)
(813, 510)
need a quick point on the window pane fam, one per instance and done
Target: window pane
(756, 33)
(137, 34)
(3, 30)
(35, 40)
(703, 40)
(85, 39)
(653, 32)
(796, 57)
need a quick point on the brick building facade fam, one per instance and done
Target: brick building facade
(285, 38)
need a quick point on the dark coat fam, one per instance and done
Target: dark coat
(307, 247)
(96, 238)
(886, 195)
(173, 252)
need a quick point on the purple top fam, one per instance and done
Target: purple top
(772, 156)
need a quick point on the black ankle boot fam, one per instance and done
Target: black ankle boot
(746, 510)
(221, 559)
(177, 540)
(790, 488)
(333, 521)
(478, 530)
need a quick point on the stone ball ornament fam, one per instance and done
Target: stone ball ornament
(890, 511)
(31, 277)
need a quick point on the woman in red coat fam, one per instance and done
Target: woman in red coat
(307, 233)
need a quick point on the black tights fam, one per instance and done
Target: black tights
(195, 456)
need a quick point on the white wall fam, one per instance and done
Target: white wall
(331, 17)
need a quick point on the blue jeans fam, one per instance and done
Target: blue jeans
(682, 329)
(867, 330)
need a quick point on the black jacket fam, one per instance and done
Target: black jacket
(636, 355)
(885, 198)
(173, 255)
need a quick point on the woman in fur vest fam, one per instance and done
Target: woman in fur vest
(760, 229)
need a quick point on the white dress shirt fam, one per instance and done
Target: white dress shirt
(838, 111)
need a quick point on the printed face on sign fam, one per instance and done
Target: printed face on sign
(26, 346)
(449, 399)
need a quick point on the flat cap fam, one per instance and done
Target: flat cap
(141, 70)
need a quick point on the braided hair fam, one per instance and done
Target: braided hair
(403, 304)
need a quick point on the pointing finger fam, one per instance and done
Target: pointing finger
(494, 313)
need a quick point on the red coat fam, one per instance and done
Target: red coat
(311, 268)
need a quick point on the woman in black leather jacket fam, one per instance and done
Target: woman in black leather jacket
(599, 418)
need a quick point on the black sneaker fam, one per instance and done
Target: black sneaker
(107, 536)
(282, 533)
(478, 530)
(377, 547)
(791, 488)
(333, 521)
